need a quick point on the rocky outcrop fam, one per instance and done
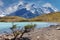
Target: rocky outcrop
(47, 33)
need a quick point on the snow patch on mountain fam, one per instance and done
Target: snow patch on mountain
(46, 8)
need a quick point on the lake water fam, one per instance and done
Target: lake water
(4, 26)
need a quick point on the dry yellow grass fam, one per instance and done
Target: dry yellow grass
(51, 17)
(47, 33)
(12, 19)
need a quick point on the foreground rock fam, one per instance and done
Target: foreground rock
(48, 33)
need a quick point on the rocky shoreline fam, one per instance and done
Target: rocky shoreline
(47, 33)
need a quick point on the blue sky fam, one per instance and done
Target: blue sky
(4, 4)
(56, 3)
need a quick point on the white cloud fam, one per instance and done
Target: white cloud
(28, 6)
(1, 3)
(14, 8)
(11, 9)
(2, 15)
(8, 10)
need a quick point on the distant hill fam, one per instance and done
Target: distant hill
(12, 19)
(51, 17)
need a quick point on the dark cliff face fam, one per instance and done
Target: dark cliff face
(32, 12)
(23, 13)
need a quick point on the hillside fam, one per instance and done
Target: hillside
(51, 17)
(12, 19)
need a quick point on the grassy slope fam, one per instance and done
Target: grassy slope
(51, 17)
(12, 19)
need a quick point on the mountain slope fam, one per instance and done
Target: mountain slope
(51, 17)
(27, 10)
(23, 13)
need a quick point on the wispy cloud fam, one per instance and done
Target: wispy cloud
(10, 9)
(14, 7)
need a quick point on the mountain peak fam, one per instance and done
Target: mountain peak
(49, 5)
(30, 8)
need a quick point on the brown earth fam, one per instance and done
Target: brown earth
(51, 17)
(50, 33)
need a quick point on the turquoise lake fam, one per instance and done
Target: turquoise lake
(4, 26)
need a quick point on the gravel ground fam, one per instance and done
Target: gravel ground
(48, 33)
(44, 34)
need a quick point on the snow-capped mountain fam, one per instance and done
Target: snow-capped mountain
(28, 10)
(48, 8)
